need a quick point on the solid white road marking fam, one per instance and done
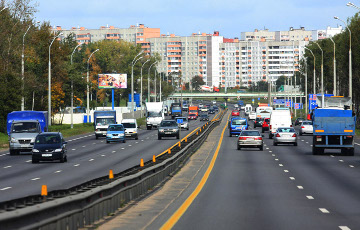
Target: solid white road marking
(310, 197)
(324, 210)
(59, 171)
(76, 165)
(37, 178)
(344, 228)
(292, 178)
(91, 159)
(351, 166)
(300, 187)
(3, 189)
(9, 166)
(286, 171)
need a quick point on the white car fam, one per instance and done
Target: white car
(306, 127)
(252, 115)
(131, 128)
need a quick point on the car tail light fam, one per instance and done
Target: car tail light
(302, 127)
(290, 125)
(294, 135)
(96, 130)
(349, 136)
(277, 135)
(242, 138)
(258, 138)
(270, 127)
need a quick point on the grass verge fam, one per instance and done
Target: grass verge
(78, 129)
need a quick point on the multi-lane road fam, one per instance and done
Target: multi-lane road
(281, 187)
(88, 159)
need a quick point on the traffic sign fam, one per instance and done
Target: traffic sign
(180, 121)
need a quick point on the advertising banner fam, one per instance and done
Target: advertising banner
(112, 81)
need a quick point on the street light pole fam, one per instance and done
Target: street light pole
(314, 87)
(322, 75)
(141, 85)
(155, 85)
(149, 80)
(334, 91)
(72, 89)
(49, 81)
(160, 88)
(87, 88)
(132, 81)
(350, 60)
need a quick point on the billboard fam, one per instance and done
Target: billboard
(112, 81)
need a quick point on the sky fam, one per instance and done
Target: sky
(184, 17)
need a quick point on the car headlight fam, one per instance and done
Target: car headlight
(175, 130)
(33, 140)
(108, 135)
(13, 140)
(57, 150)
(35, 151)
(161, 130)
(121, 134)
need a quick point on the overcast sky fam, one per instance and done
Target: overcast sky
(184, 17)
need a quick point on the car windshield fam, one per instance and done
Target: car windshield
(286, 130)
(116, 128)
(176, 108)
(204, 115)
(154, 114)
(306, 123)
(48, 139)
(129, 125)
(250, 133)
(259, 119)
(105, 121)
(239, 122)
(24, 127)
(192, 114)
(168, 123)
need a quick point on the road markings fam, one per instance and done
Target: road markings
(142, 140)
(28, 161)
(91, 159)
(292, 178)
(182, 209)
(277, 159)
(300, 187)
(122, 148)
(84, 146)
(103, 155)
(344, 228)
(73, 149)
(273, 155)
(70, 140)
(307, 142)
(136, 142)
(302, 140)
(311, 145)
(270, 151)
(130, 145)
(3, 189)
(37, 178)
(341, 160)
(351, 166)
(286, 171)
(76, 165)
(324, 210)
(281, 165)
(94, 143)
(6, 167)
(114, 151)
(310, 197)
(59, 171)
(332, 156)
(267, 148)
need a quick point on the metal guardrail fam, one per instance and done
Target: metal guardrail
(87, 203)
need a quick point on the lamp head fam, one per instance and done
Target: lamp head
(349, 4)
(335, 17)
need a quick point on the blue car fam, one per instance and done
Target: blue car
(237, 124)
(115, 133)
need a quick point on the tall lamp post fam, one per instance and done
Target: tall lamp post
(87, 88)
(149, 80)
(132, 81)
(72, 88)
(334, 91)
(314, 87)
(23, 69)
(322, 75)
(3, 8)
(141, 85)
(350, 61)
(49, 80)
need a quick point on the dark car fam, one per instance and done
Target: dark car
(204, 117)
(49, 146)
(258, 122)
(216, 108)
(299, 120)
(211, 110)
(168, 128)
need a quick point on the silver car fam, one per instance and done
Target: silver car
(285, 135)
(185, 124)
(306, 127)
(250, 139)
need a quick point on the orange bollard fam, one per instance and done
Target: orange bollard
(111, 174)
(154, 159)
(169, 151)
(44, 190)
(142, 162)
(185, 139)
(179, 144)
(197, 133)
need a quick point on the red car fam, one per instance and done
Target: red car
(265, 125)
(192, 116)
(235, 113)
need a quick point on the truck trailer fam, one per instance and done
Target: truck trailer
(154, 114)
(102, 120)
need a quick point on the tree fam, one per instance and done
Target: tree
(196, 82)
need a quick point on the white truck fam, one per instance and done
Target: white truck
(248, 109)
(102, 120)
(279, 118)
(154, 114)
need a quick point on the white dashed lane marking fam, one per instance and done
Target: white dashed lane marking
(28, 161)
(59, 171)
(324, 210)
(310, 197)
(351, 166)
(84, 146)
(6, 167)
(37, 178)
(332, 156)
(286, 171)
(103, 155)
(91, 159)
(273, 155)
(73, 149)
(3, 189)
(114, 151)
(341, 160)
(281, 165)
(130, 145)
(292, 178)
(76, 165)
(300, 187)
(344, 228)
(122, 148)
(270, 151)
(277, 159)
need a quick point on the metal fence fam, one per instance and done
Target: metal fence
(87, 203)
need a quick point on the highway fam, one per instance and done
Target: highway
(88, 159)
(281, 187)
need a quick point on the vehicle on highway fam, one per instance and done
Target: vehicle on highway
(306, 127)
(263, 110)
(235, 113)
(102, 120)
(248, 109)
(236, 106)
(115, 133)
(49, 146)
(204, 109)
(299, 120)
(252, 115)
(216, 108)
(192, 116)
(285, 135)
(185, 107)
(250, 139)
(200, 105)
(154, 114)
(258, 122)
(131, 128)
(185, 123)
(176, 110)
(214, 102)
(168, 128)
(279, 118)
(194, 109)
(211, 110)
(204, 117)
(265, 125)
(23, 127)
(237, 124)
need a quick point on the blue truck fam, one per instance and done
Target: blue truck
(23, 127)
(176, 110)
(334, 127)
(102, 120)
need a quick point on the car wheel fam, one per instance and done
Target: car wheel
(230, 135)
(148, 127)
(124, 141)
(178, 136)
(107, 142)
(261, 148)
(295, 144)
(274, 143)
(136, 138)
(34, 161)
(301, 133)
(14, 152)
(270, 136)
(262, 130)
(238, 147)
(96, 137)
(62, 160)
(66, 159)
(159, 137)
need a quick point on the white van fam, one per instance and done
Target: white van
(248, 109)
(131, 128)
(279, 118)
